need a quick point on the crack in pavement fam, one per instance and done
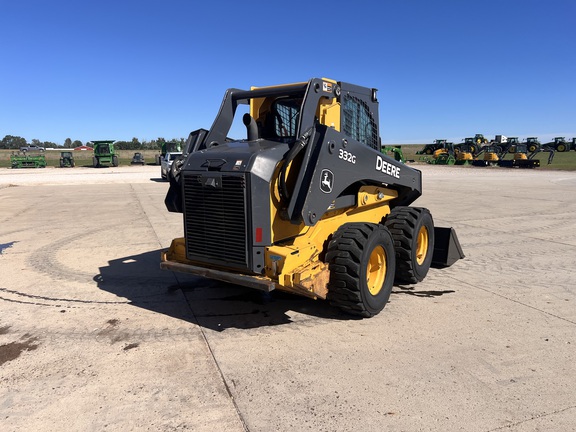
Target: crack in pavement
(218, 368)
(536, 417)
(514, 301)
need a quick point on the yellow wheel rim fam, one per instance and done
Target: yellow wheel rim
(376, 271)
(422, 245)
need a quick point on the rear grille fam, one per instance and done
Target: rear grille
(215, 220)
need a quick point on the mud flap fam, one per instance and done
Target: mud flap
(447, 249)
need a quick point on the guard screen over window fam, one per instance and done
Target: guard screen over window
(286, 113)
(357, 122)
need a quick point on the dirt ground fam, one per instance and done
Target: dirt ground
(94, 336)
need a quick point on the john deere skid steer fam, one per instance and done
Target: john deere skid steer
(306, 203)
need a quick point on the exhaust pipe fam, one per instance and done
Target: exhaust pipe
(251, 127)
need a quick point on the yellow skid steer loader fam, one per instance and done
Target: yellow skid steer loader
(306, 203)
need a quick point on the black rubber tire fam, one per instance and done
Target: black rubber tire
(95, 162)
(173, 174)
(405, 224)
(114, 161)
(561, 148)
(348, 257)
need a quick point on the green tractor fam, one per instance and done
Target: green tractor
(480, 139)
(138, 159)
(66, 159)
(395, 151)
(429, 149)
(104, 153)
(167, 147)
(532, 144)
(559, 144)
(473, 144)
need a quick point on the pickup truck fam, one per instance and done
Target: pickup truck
(166, 163)
(31, 148)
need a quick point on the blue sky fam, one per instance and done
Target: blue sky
(449, 69)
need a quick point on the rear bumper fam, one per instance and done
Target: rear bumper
(174, 259)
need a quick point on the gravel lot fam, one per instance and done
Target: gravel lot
(94, 336)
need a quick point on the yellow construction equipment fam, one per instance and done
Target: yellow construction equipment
(304, 202)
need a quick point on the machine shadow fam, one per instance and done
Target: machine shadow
(211, 304)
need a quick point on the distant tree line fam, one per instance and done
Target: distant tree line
(15, 142)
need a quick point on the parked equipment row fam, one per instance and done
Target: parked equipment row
(475, 144)
(104, 154)
(502, 151)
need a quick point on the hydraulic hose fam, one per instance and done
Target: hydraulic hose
(290, 156)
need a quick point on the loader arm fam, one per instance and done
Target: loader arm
(333, 170)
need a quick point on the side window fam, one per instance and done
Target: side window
(357, 122)
(286, 112)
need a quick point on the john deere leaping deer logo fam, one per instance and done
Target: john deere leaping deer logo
(326, 181)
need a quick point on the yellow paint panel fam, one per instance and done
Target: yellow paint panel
(299, 259)
(329, 113)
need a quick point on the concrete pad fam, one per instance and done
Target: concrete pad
(94, 336)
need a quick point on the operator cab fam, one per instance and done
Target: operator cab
(280, 121)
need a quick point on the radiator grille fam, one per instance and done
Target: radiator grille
(215, 222)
